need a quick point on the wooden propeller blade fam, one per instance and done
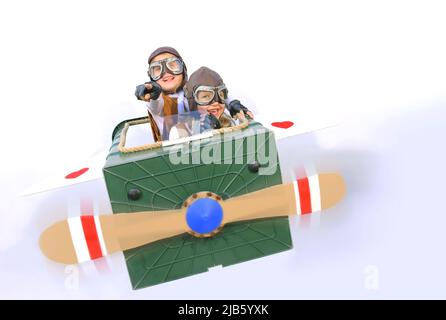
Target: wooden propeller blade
(301, 197)
(85, 238)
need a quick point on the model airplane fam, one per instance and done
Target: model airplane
(177, 218)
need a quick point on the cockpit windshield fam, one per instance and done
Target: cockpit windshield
(176, 128)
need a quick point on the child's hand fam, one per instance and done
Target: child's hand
(148, 91)
(209, 122)
(235, 107)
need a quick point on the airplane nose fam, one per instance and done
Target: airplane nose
(204, 215)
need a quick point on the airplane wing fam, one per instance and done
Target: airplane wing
(294, 126)
(89, 170)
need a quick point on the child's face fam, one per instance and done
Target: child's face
(215, 109)
(168, 82)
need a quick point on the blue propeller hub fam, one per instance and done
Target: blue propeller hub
(204, 215)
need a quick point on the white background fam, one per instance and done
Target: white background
(67, 75)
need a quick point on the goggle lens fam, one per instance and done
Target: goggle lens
(155, 71)
(175, 66)
(204, 97)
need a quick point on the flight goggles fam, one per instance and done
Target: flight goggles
(205, 95)
(171, 65)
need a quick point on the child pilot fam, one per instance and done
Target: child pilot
(168, 74)
(206, 92)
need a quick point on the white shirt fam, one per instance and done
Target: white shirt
(156, 108)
